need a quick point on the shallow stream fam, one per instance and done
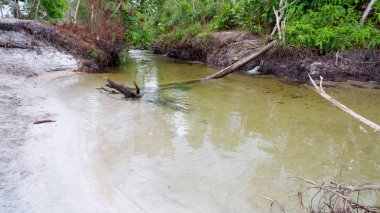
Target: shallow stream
(214, 146)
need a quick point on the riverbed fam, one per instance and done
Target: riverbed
(210, 146)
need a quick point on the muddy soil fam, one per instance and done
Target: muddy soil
(224, 48)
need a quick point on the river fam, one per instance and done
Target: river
(215, 146)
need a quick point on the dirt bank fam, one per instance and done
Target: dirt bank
(93, 52)
(224, 48)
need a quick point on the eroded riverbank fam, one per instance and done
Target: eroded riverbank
(225, 48)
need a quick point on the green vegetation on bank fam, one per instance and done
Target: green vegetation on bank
(328, 25)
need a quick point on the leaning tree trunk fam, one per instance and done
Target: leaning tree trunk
(244, 61)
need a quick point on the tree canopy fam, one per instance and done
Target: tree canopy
(323, 24)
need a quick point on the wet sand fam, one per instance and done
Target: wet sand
(44, 167)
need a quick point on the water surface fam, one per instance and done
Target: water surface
(214, 146)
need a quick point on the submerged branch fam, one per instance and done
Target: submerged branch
(319, 89)
(125, 90)
(338, 197)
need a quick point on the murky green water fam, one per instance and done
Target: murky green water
(213, 146)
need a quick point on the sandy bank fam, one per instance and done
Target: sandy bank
(43, 168)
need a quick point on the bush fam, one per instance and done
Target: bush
(330, 28)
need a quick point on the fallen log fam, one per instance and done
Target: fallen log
(125, 90)
(319, 89)
(244, 61)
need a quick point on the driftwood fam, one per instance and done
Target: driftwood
(330, 196)
(125, 90)
(319, 89)
(43, 121)
(241, 63)
(14, 45)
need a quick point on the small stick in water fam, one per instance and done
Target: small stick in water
(43, 121)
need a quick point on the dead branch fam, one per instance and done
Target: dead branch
(275, 202)
(252, 42)
(319, 89)
(15, 45)
(110, 91)
(339, 198)
(280, 20)
(117, 8)
(43, 121)
(241, 63)
(125, 90)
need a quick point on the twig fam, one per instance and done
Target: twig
(274, 202)
(330, 192)
(43, 121)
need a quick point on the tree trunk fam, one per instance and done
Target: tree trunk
(366, 12)
(92, 23)
(37, 9)
(240, 63)
(17, 9)
(76, 13)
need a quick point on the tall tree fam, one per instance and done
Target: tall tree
(74, 19)
(37, 9)
(16, 8)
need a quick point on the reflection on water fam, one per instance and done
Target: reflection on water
(213, 146)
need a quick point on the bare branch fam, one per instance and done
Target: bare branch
(321, 91)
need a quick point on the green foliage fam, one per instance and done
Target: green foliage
(55, 9)
(93, 53)
(254, 15)
(331, 27)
